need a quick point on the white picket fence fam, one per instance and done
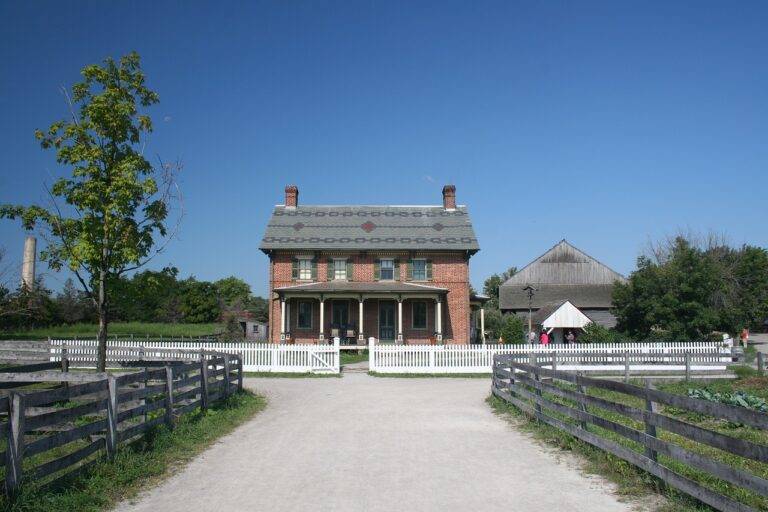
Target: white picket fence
(257, 357)
(607, 357)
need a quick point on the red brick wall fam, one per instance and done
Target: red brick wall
(449, 270)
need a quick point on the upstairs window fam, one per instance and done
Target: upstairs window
(305, 269)
(388, 270)
(419, 270)
(339, 269)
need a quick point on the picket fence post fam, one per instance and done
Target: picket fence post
(15, 450)
(169, 396)
(112, 409)
(650, 429)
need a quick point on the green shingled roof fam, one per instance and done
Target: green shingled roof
(370, 228)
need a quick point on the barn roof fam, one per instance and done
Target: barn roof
(562, 273)
(370, 228)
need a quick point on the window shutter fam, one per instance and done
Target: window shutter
(314, 269)
(397, 270)
(330, 274)
(409, 275)
(377, 270)
(349, 270)
(429, 270)
(294, 269)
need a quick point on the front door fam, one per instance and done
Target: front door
(340, 314)
(387, 320)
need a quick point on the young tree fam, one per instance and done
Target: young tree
(492, 284)
(115, 204)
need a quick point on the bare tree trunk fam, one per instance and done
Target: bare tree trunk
(101, 362)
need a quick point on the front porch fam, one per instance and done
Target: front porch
(395, 312)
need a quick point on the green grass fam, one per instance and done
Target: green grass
(633, 481)
(142, 464)
(121, 329)
(432, 375)
(351, 357)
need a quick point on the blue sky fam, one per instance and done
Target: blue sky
(606, 123)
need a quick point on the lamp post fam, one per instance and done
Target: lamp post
(531, 291)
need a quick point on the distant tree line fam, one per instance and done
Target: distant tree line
(148, 296)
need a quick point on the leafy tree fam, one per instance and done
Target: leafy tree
(72, 305)
(512, 329)
(493, 322)
(596, 333)
(492, 284)
(233, 292)
(199, 303)
(115, 203)
(259, 306)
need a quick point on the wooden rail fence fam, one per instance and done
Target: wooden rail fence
(57, 432)
(559, 398)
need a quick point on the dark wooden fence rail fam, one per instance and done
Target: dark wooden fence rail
(54, 433)
(559, 398)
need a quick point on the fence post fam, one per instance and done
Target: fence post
(537, 378)
(203, 382)
(112, 408)
(626, 366)
(431, 355)
(687, 366)
(761, 362)
(650, 429)
(554, 361)
(240, 373)
(226, 376)
(582, 406)
(64, 358)
(371, 354)
(169, 396)
(15, 450)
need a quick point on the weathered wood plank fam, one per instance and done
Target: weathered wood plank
(70, 459)
(52, 376)
(56, 395)
(64, 415)
(64, 437)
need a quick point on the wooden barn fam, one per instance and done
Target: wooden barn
(569, 289)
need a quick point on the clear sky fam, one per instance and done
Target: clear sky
(606, 123)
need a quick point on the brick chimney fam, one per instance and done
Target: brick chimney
(291, 196)
(449, 197)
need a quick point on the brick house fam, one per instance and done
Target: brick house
(395, 273)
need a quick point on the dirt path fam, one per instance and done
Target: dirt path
(363, 443)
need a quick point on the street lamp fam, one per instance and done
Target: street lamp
(531, 291)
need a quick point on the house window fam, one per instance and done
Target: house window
(339, 269)
(419, 271)
(388, 270)
(305, 315)
(305, 269)
(419, 316)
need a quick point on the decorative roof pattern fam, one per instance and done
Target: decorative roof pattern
(370, 228)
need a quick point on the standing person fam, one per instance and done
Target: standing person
(531, 337)
(544, 338)
(744, 337)
(570, 337)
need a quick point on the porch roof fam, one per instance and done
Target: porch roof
(386, 287)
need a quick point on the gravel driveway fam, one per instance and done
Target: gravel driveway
(363, 443)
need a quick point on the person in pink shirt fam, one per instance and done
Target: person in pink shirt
(544, 338)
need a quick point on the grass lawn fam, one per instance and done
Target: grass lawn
(351, 356)
(142, 464)
(635, 482)
(120, 329)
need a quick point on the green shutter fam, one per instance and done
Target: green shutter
(397, 270)
(377, 270)
(349, 270)
(429, 270)
(329, 273)
(409, 275)
(314, 269)
(294, 269)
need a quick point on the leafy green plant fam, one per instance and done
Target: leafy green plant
(738, 398)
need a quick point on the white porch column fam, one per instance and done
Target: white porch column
(399, 320)
(482, 325)
(282, 319)
(439, 320)
(322, 320)
(360, 335)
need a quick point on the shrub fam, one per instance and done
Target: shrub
(512, 329)
(596, 333)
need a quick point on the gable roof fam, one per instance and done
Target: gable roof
(370, 228)
(561, 314)
(562, 273)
